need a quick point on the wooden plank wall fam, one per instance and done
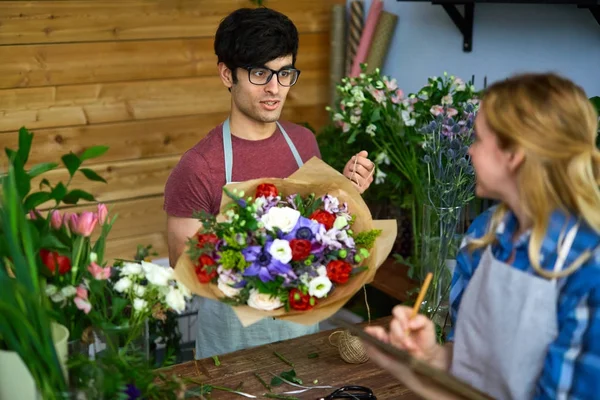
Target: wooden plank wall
(139, 76)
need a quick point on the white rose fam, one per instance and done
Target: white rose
(68, 291)
(139, 290)
(57, 297)
(281, 250)
(157, 274)
(340, 222)
(175, 300)
(123, 284)
(283, 218)
(224, 283)
(319, 287)
(262, 301)
(131, 269)
(139, 304)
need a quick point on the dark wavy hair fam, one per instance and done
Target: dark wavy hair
(253, 37)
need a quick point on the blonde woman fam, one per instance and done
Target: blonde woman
(525, 294)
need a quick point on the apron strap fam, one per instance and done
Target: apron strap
(228, 149)
(564, 246)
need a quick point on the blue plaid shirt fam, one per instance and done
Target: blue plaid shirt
(572, 366)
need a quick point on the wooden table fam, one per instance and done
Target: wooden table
(328, 368)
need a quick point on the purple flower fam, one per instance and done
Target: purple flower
(263, 264)
(132, 392)
(332, 204)
(305, 229)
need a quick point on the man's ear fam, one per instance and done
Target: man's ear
(226, 75)
(516, 159)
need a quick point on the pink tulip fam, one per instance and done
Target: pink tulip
(55, 219)
(98, 272)
(84, 223)
(83, 304)
(82, 292)
(102, 213)
(34, 214)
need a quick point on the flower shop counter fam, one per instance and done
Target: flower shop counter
(239, 368)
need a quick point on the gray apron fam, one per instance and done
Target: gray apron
(218, 329)
(506, 321)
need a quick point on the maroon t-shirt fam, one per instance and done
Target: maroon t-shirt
(196, 183)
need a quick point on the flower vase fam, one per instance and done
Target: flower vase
(126, 337)
(16, 381)
(439, 243)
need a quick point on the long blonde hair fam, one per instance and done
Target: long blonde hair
(551, 120)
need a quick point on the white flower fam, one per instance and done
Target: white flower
(58, 297)
(460, 85)
(411, 122)
(283, 218)
(382, 158)
(379, 176)
(319, 287)
(371, 130)
(224, 284)
(355, 119)
(322, 270)
(304, 279)
(131, 269)
(157, 274)
(123, 284)
(340, 222)
(139, 290)
(281, 250)
(51, 290)
(405, 115)
(176, 300)
(447, 100)
(338, 117)
(68, 291)
(262, 301)
(139, 304)
(93, 257)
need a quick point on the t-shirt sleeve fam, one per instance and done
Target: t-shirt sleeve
(188, 188)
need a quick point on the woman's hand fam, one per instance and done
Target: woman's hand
(416, 336)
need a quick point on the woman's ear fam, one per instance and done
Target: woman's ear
(515, 160)
(226, 75)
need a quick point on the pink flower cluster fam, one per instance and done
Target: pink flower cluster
(80, 224)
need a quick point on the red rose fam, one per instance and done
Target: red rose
(300, 249)
(338, 271)
(205, 270)
(206, 239)
(266, 189)
(323, 217)
(53, 261)
(300, 301)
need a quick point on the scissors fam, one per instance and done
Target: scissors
(351, 392)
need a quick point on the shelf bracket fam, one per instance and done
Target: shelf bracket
(463, 23)
(595, 10)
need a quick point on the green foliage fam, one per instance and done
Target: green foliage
(367, 239)
(231, 259)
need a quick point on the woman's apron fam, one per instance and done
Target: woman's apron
(507, 319)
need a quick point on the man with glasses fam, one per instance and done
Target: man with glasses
(256, 50)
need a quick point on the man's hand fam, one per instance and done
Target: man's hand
(360, 171)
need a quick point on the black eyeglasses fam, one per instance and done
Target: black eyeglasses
(262, 75)
(351, 392)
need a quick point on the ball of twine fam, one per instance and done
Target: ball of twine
(350, 347)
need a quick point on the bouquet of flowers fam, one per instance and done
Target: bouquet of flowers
(297, 244)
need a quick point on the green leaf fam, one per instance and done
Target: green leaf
(59, 192)
(39, 169)
(23, 180)
(276, 381)
(53, 243)
(72, 163)
(75, 195)
(35, 199)
(118, 305)
(25, 139)
(93, 152)
(596, 102)
(45, 182)
(92, 175)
